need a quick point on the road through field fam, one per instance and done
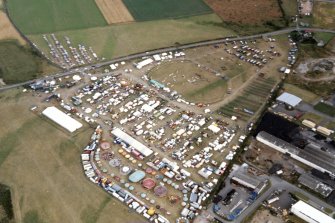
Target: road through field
(162, 50)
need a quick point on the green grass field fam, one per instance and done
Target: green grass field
(323, 15)
(325, 108)
(45, 16)
(144, 10)
(305, 95)
(18, 63)
(121, 40)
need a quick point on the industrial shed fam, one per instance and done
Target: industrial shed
(289, 99)
(145, 151)
(62, 119)
(310, 214)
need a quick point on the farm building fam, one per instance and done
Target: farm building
(310, 214)
(62, 119)
(308, 124)
(246, 180)
(289, 99)
(315, 184)
(321, 162)
(145, 151)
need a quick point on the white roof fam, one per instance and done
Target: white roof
(310, 214)
(62, 119)
(289, 99)
(145, 151)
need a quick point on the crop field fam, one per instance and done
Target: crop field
(114, 11)
(144, 10)
(120, 40)
(323, 15)
(45, 16)
(18, 63)
(7, 31)
(46, 179)
(246, 12)
(251, 99)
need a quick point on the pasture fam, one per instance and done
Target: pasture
(19, 63)
(46, 16)
(42, 166)
(144, 10)
(323, 15)
(124, 39)
(114, 11)
(196, 84)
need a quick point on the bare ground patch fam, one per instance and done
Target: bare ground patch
(246, 12)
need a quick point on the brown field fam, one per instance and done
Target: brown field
(246, 12)
(41, 164)
(114, 11)
(323, 15)
(7, 31)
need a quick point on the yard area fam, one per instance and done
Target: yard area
(19, 63)
(305, 95)
(46, 177)
(124, 39)
(144, 10)
(45, 16)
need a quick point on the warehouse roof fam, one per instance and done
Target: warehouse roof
(145, 151)
(62, 119)
(289, 99)
(310, 214)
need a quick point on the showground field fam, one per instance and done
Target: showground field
(143, 10)
(46, 16)
(41, 164)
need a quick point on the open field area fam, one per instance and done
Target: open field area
(246, 12)
(290, 8)
(305, 95)
(18, 63)
(46, 178)
(143, 10)
(323, 15)
(121, 40)
(114, 11)
(7, 31)
(250, 100)
(40, 16)
(195, 83)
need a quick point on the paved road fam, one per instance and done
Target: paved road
(277, 183)
(162, 50)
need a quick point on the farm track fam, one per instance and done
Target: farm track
(162, 50)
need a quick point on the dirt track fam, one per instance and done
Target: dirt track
(114, 11)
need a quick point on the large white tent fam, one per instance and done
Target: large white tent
(62, 119)
(145, 151)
